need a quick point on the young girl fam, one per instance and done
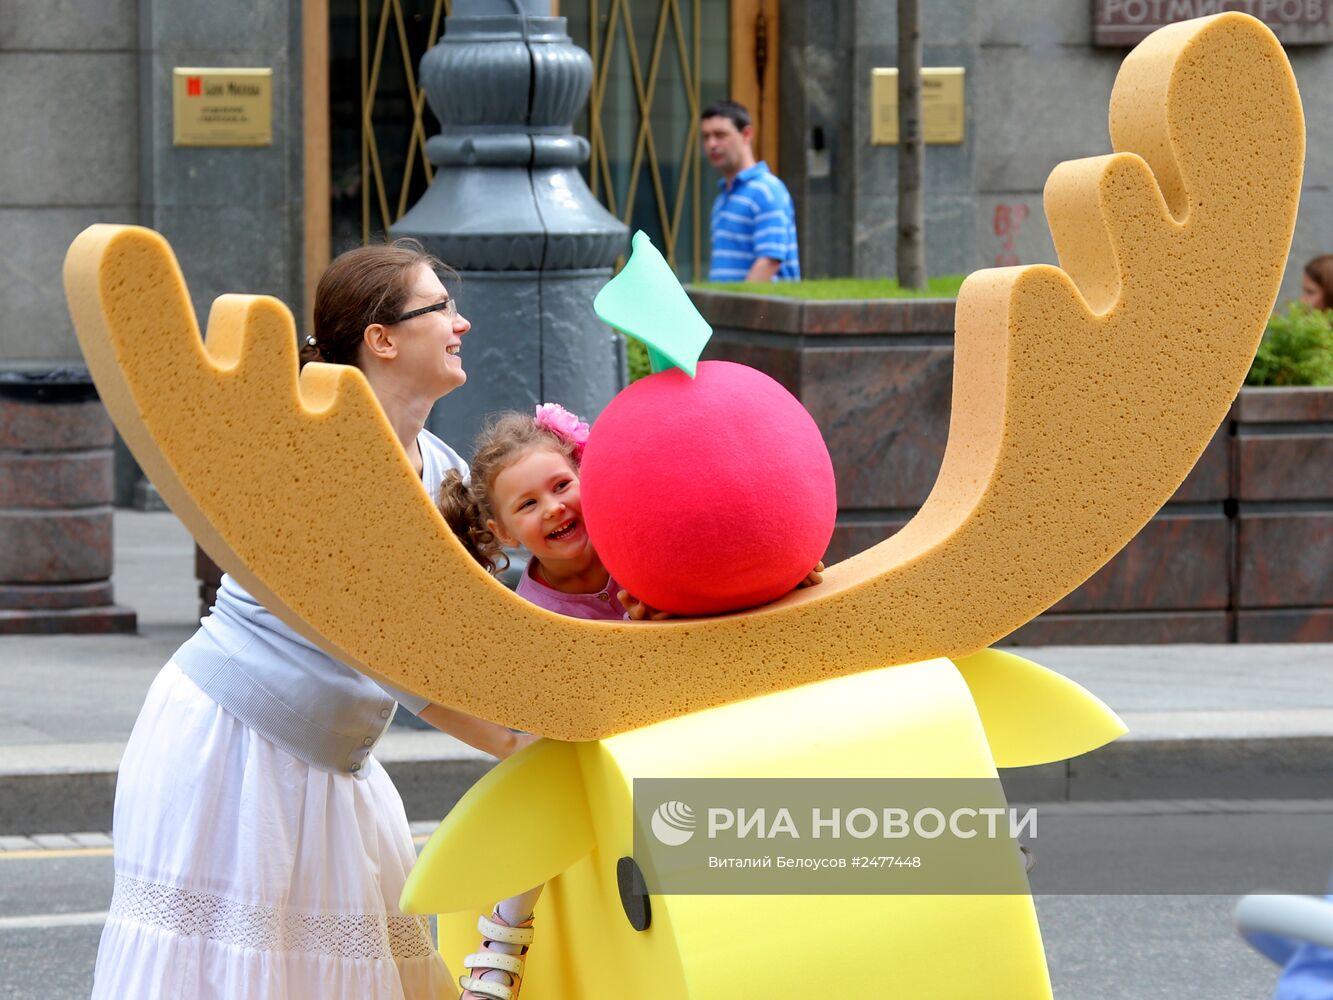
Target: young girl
(524, 491)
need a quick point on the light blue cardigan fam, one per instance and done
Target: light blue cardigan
(288, 690)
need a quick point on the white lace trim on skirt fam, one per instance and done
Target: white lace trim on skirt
(192, 913)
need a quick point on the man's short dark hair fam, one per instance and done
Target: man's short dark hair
(730, 110)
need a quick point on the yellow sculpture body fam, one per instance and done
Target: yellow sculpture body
(560, 813)
(1082, 397)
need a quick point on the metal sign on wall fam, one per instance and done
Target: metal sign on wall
(1121, 23)
(942, 105)
(222, 107)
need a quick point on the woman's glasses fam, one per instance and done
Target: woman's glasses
(449, 307)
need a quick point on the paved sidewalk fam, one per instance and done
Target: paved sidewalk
(1205, 721)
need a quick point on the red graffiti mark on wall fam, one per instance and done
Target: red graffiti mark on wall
(1008, 219)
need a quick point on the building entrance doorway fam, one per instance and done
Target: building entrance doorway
(656, 65)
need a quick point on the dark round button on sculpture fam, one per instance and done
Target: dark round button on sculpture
(633, 894)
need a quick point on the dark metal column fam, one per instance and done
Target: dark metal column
(509, 209)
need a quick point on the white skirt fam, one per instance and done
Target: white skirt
(242, 871)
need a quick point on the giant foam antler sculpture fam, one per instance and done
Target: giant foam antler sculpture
(1082, 397)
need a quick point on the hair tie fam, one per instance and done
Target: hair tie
(566, 426)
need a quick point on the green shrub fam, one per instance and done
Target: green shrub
(1297, 349)
(945, 287)
(636, 356)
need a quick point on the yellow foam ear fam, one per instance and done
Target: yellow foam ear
(522, 824)
(1033, 715)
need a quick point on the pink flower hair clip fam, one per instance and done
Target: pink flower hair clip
(563, 424)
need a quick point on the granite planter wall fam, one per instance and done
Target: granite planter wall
(1284, 514)
(877, 377)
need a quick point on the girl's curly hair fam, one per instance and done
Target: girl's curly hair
(467, 505)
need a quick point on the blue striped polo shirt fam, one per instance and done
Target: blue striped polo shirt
(753, 218)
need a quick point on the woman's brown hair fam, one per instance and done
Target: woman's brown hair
(363, 286)
(467, 506)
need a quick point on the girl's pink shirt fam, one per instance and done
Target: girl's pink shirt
(601, 606)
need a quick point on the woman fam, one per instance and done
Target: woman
(260, 849)
(1317, 283)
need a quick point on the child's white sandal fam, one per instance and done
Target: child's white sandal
(486, 988)
(492, 931)
(489, 988)
(485, 960)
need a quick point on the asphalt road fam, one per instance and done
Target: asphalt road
(1116, 946)
(51, 910)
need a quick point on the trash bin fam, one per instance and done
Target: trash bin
(55, 506)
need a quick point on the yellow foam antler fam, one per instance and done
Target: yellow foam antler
(1082, 397)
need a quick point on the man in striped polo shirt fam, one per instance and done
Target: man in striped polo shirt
(753, 223)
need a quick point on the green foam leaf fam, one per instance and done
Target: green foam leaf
(646, 301)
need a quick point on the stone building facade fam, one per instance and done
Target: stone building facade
(1036, 93)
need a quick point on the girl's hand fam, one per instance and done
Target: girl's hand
(815, 576)
(638, 611)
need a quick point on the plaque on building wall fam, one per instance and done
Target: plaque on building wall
(222, 107)
(1122, 23)
(941, 105)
